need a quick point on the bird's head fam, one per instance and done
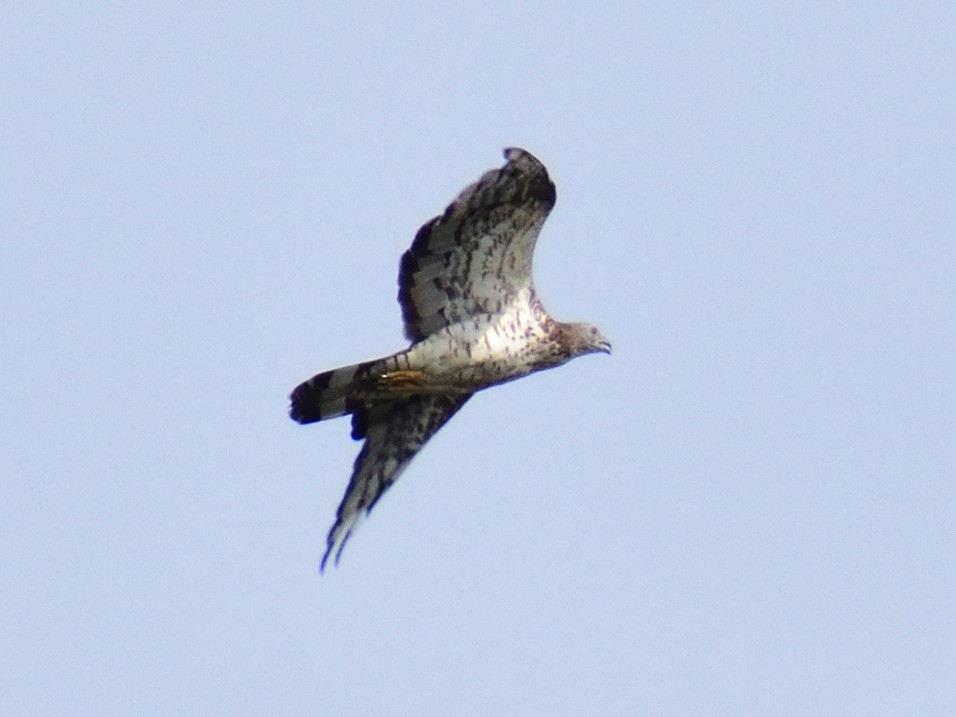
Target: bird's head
(586, 339)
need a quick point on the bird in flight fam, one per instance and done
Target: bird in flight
(474, 320)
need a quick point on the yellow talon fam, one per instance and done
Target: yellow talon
(403, 382)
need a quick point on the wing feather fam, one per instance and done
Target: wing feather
(394, 432)
(476, 256)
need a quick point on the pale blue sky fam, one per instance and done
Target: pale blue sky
(747, 510)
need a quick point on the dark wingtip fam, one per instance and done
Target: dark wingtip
(516, 154)
(330, 546)
(540, 186)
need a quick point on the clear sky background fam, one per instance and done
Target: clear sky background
(748, 509)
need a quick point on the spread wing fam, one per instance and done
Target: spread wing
(394, 432)
(476, 257)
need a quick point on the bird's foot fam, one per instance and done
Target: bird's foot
(403, 383)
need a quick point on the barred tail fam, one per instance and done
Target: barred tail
(329, 394)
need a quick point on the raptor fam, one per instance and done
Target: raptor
(474, 320)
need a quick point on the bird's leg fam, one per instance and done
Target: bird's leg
(402, 383)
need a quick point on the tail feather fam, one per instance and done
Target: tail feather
(328, 394)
